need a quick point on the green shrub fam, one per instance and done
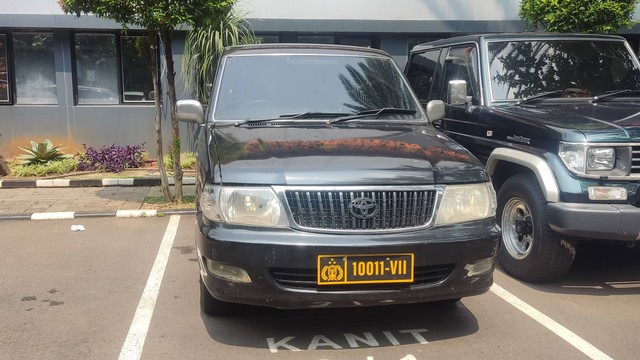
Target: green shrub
(55, 167)
(188, 161)
(41, 153)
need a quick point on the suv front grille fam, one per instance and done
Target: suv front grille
(635, 159)
(358, 210)
(306, 279)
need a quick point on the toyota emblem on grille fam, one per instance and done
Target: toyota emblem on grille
(363, 208)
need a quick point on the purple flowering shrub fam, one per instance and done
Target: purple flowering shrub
(113, 158)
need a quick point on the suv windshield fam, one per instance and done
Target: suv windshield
(272, 86)
(524, 69)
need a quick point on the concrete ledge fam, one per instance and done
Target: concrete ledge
(52, 183)
(55, 183)
(53, 215)
(77, 215)
(136, 213)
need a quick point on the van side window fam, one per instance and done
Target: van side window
(421, 72)
(462, 64)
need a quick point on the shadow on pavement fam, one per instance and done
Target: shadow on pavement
(600, 269)
(342, 328)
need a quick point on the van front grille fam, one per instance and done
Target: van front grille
(362, 210)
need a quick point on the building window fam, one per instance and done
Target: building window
(137, 84)
(35, 72)
(316, 39)
(356, 41)
(269, 39)
(4, 70)
(96, 69)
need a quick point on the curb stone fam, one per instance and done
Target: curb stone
(78, 215)
(56, 183)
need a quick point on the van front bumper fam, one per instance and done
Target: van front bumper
(283, 264)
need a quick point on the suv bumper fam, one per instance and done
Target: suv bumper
(264, 253)
(595, 221)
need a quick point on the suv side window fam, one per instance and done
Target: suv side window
(421, 73)
(462, 64)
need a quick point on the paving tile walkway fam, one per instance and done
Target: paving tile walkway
(78, 199)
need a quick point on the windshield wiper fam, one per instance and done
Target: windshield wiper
(541, 95)
(312, 114)
(615, 93)
(372, 112)
(304, 115)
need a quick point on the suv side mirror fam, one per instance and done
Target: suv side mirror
(457, 92)
(190, 111)
(435, 110)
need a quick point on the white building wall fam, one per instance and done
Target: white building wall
(382, 9)
(472, 10)
(32, 7)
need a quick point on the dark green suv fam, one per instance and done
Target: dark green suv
(556, 120)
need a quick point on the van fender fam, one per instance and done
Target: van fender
(536, 164)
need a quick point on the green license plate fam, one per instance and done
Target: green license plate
(365, 269)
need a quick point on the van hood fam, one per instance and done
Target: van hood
(613, 121)
(343, 155)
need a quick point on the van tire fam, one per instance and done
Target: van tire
(210, 305)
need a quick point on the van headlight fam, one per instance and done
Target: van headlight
(253, 206)
(463, 203)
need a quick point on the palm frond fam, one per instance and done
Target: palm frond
(204, 46)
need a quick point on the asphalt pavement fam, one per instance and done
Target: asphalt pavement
(47, 199)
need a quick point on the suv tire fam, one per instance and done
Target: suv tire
(530, 250)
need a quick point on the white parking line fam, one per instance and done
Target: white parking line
(564, 333)
(132, 348)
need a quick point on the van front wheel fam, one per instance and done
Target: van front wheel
(210, 305)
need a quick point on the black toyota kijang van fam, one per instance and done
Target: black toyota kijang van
(321, 183)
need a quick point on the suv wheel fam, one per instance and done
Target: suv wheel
(210, 305)
(530, 250)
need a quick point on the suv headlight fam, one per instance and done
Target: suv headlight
(253, 206)
(582, 158)
(463, 203)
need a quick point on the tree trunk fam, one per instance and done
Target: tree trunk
(167, 37)
(153, 47)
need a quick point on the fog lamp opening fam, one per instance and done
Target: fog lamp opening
(481, 267)
(227, 272)
(607, 193)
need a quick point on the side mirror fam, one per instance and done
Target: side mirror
(435, 110)
(457, 92)
(190, 111)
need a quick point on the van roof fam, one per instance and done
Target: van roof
(283, 48)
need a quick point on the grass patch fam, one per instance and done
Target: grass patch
(188, 161)
(56, 167)
(158, 202)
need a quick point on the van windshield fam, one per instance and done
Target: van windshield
(270, 86)
(528, 68)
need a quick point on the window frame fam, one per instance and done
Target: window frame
(433, 84)
(9, 70)
(16, 93)
(472, 67)
(119, 68)
(122, 72)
